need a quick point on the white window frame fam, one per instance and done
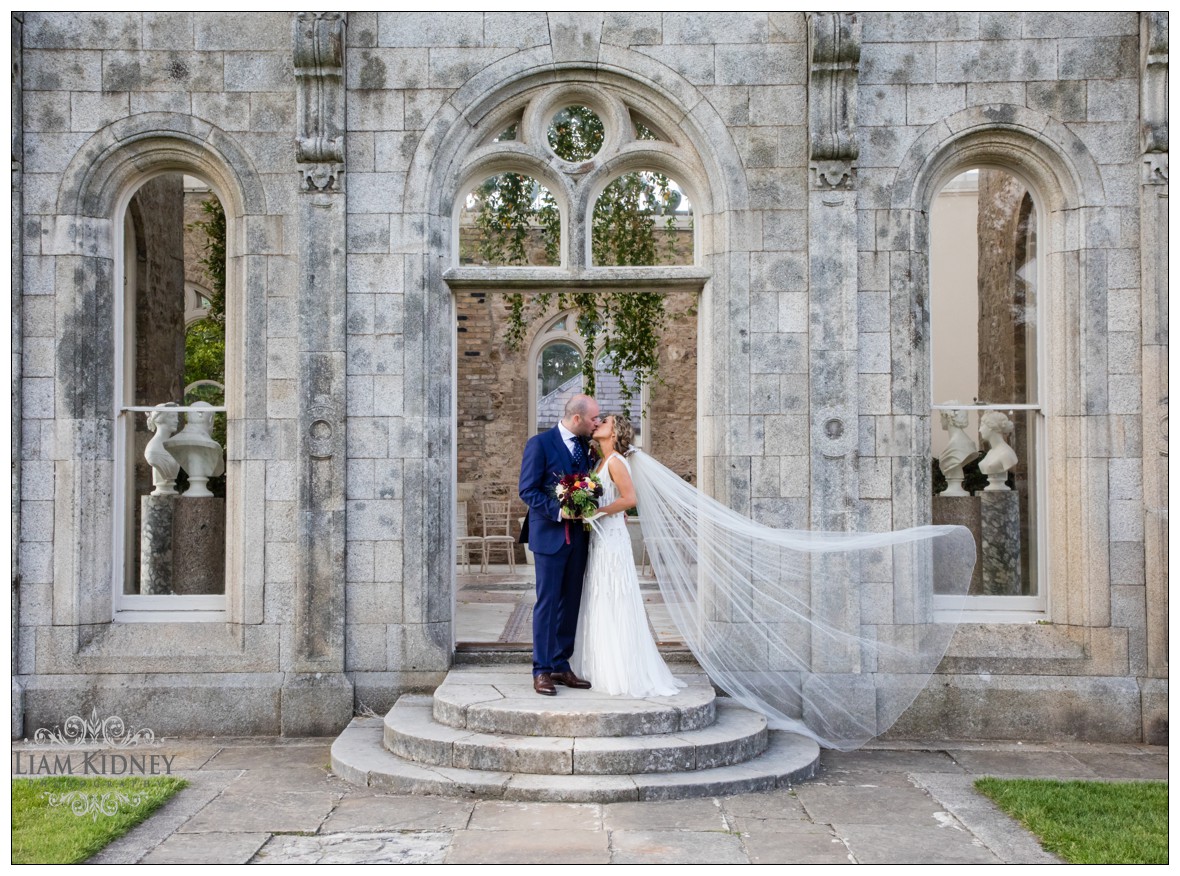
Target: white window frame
(135, 608)
(1013, 609)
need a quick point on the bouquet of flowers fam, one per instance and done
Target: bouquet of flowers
(578, 495)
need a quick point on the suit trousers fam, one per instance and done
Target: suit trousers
(559, 595)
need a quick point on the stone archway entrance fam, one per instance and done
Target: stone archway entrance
(497, 409)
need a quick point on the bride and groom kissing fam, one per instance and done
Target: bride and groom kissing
(589, 623)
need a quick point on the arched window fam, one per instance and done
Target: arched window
(558, 355)
(170, 398)
(988, 428)
(575, 257)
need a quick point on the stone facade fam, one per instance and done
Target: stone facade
(811, 145)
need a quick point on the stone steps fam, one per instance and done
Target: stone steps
(412, 733)
(495, 700)
(359, 756)
(485, 732)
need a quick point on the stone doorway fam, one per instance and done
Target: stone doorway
(497, 408)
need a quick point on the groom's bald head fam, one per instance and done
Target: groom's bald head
(581, 415)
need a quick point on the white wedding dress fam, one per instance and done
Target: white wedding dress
(614, 649)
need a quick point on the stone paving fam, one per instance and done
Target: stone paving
(275, 801)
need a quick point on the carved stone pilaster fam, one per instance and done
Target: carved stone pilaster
(834, 56)
(1153, 91)
(834, 43)
(316, 695)
(319, 86)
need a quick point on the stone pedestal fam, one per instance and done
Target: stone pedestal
(999, 556)
(959, 511)
(198, 553)
(157, 523)
(181, 546)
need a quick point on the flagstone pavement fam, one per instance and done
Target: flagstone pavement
(267, 800)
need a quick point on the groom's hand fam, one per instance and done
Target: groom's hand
(568, 514)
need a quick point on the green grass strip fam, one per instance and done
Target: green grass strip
(66, 819)
(1089, 822)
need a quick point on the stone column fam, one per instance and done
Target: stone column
(1153, 250)
(316, 695)
(834, 46)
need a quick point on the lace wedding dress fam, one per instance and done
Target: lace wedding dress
(614, 649)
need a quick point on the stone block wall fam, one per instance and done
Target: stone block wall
(812, 400)
(109, 100)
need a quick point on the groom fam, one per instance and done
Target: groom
(558, 545)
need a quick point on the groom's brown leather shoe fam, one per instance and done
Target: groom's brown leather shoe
(570, 680)
(543, 684)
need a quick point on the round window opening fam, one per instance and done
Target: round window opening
(576, 133)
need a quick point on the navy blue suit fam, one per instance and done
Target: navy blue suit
(560, 567)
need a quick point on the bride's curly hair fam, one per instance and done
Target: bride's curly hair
(624, 434)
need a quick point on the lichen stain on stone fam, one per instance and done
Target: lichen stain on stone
(81, 379)
(1003, 113)
(121, 77)
(178, 70)
(372, 75)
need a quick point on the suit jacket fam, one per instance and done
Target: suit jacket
(546, 460)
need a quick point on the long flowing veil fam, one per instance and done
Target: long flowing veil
(831, 635)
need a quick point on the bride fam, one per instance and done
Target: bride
(613, 648)
(832, 635)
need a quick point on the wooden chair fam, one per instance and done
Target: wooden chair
(464, 542)
(497, 531)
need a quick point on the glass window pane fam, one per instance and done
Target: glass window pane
(983, 325)
(174, 298)
(559, 377)
(983, 277)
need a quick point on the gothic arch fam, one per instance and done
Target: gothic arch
(451, 153)
(502, 88)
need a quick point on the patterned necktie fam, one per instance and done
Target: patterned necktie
(579, 455)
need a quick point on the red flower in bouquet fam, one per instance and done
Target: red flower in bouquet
(578, 494)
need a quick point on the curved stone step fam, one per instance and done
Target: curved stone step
(495, 700)
(412, 733)
(359, 756)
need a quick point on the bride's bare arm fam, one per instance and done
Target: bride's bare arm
(622, 478)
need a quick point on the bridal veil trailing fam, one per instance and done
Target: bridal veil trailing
(832, 635)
